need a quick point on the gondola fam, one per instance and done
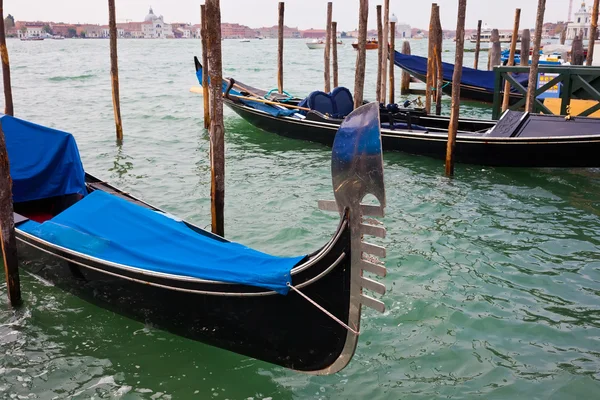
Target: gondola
(478, 85)
(122, 253)
(517, 139)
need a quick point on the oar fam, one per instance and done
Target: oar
(197, 89)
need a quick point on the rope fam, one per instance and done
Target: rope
(443, 86)
(289, 96)
(330, 315)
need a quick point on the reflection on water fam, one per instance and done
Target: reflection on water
(493, 277)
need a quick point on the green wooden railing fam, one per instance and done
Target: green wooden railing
(577, 83)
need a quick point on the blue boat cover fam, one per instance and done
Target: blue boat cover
(470, 76)
(113, 229)
(44, 162)
(274, 111)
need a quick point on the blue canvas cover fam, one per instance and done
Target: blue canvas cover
(470, 76)
(44, 162)
(113, 229)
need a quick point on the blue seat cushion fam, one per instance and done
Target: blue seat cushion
(337, 104)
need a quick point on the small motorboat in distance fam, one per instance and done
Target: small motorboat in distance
(300, 312)
(371, 44)
(319, 44)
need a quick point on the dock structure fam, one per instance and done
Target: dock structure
(7, 219)
(114, 69)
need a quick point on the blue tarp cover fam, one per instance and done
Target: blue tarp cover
(44, 162)
(470, 76)
(113, 229)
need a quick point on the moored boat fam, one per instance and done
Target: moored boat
(319, 44)
(371, 44)
(518, 139)
(122, 253)
(486, 36)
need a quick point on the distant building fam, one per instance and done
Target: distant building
(403, 31)
(31, 30)
(581, 23)
(313, 33)
(273, 32)
(155, 27)
(236, 31)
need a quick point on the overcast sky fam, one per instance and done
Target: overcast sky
(303, 14)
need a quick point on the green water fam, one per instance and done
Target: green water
(494, 277)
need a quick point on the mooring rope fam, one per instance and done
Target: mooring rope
(330, 315)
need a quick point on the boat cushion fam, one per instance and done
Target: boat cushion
(403, 125)
(113, 229)
(336, 104)
(44, 162)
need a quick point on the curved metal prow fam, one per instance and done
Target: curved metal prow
(357, 171)
(197, 63)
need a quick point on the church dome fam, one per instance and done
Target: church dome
(150, 17)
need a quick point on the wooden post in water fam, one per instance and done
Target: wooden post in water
(392, 52)
(563, 35)
(535, 58)
(328, 48)
(379, 55)
(439, 73)
(405, 81)
(577, 51)
(217, 140)
(8, 101)
(205, 69)
(334, 55)
(7, 226)
(511, 57)
(593, 33)
(430, 59)
(456, 77)
(114, 69)
(280, 48)
(384, 47)
(525, 47)
(7, 221)
(359, 78)
(477, 45)
(495, 51)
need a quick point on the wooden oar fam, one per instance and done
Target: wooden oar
(198, 90)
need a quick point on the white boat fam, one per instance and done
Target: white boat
(486, 36)
(244, 40)
(319, 44)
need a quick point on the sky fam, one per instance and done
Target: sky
(303, 14)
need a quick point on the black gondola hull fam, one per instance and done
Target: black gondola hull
(470, 149)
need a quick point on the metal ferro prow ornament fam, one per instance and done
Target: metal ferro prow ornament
(357, 171)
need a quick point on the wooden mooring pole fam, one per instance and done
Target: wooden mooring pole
(535, 57)
(593, 33)
(477, 45)
(334, 55)
(563, 35)
(8, 101)
(384, 48)
(114, 69)
(359, 77)
(511, 57)
(205, 69)
(392, 98)
(379, 54)
(430, 59)
(328, 48)
(577, 51)
(439, 68)
(405, 80)
(280, 48)
(217, 139)
(7, 222)
(525, 47)
(495, 52)
(456, 76)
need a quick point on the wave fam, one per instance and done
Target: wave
(71, 78)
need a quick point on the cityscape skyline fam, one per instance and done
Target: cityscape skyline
(299, 13)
